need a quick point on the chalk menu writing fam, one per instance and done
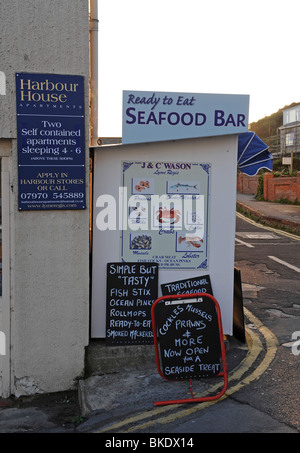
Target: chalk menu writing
(51, 141)
(189, 286)
(131, 290)
(189, 338)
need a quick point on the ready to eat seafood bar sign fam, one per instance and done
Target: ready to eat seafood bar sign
(155, 116)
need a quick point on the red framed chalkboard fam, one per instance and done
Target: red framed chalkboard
(188, 340)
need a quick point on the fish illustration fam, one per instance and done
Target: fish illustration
(187, 186)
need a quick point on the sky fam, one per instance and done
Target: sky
(198, 46)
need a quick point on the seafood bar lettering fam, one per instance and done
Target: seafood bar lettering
(173, 118)
(185, 119)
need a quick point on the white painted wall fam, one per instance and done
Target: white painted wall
(50, 249)
(221, 152)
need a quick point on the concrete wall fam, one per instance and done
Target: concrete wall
(49, 249)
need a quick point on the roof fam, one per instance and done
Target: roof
(290, 125)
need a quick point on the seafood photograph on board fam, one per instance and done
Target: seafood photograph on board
(142, 186)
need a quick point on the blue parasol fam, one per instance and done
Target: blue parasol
(253, 154)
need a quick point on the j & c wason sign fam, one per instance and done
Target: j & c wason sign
(155, 116)
(51, 141)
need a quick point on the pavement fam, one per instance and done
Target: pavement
(277, 215)
(77, 410)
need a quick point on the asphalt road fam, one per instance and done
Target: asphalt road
(269, 262)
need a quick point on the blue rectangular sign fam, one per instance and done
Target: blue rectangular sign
(154, 116)
(51, 141)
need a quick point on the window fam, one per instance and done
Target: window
(291, 116)
(289, 138)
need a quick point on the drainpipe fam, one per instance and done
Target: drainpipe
(93, 28)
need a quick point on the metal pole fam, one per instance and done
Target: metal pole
(93, 28)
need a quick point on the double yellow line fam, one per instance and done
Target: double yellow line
(162, 414)
(274, 230)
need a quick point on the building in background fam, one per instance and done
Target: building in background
(290, 132)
